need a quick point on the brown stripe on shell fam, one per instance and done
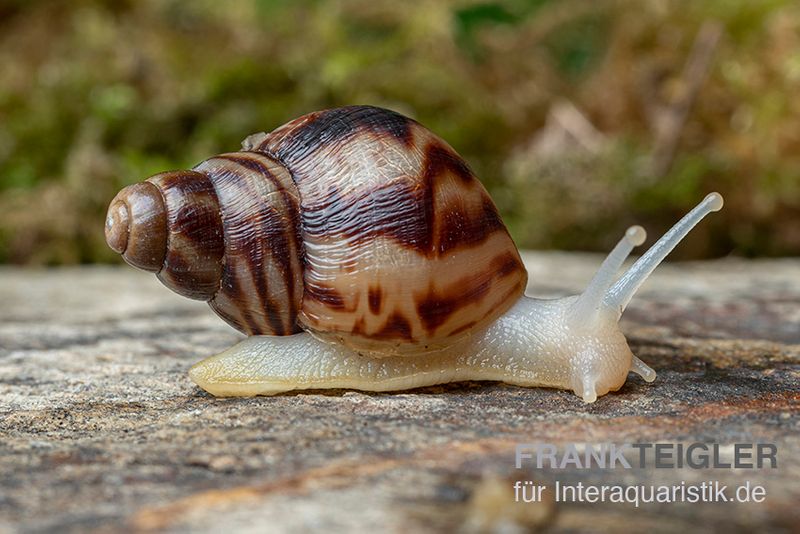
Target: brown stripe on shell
(375, 296)
(436, 306)
(441, 159)
(511, 295)
(311, 132)
(261, 283)
(395, 210)
(507, 264)
(253, 246)
(286, 248)
(193, 262)
(460, 229)
(396, 328)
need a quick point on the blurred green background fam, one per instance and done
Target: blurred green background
(580, 116)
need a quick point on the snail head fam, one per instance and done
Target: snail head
(603, 357)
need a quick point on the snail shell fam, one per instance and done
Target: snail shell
(356, 224)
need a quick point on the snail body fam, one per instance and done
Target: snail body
(358, 250)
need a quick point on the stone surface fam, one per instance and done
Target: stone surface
(102, 429)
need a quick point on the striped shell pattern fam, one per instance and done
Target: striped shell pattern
(356, 224)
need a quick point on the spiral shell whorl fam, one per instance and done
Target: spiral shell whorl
(225, 232)
(136, 226)
(194, 247)
(261, 285)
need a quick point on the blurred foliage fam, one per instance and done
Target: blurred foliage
(98, 94)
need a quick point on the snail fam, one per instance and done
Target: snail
(357, 250)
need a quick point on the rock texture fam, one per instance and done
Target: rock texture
(103, 431)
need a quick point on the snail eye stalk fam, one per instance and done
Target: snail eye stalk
(591, 300)
(600, 294)
(622, 292)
